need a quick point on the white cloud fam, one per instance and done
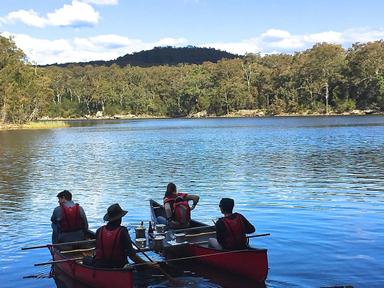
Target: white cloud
(102, 2)
(280, 41)
(171, 42)
(275, 33)
(363, 35)
(29, 17)
(75, 14)
(111, 46)
(330, 37)
(102, 47)
(243, 47)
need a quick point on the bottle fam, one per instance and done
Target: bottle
(150, 230)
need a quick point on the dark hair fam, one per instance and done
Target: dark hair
(66, 194)
(171, 188)
(227, 205)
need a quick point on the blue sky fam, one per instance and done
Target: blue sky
(58, 31)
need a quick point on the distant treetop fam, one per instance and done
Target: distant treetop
(167, 55)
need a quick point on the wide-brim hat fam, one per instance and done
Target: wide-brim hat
(114, 212)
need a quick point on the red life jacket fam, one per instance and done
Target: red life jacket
(70, 218)
(109, 247)
(182, 212)
(235, 237)
(171, 200)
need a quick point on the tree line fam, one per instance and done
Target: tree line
(325, 78)
(167, 55)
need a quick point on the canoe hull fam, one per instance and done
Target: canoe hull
(93, 277)
(248, 263)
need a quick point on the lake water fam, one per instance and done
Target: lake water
(315, 183)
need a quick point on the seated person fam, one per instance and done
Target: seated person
(113, 243)
(231, 229)
(178, 213)
(69, 222)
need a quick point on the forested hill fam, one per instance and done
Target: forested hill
(323, 79)
(164, 56)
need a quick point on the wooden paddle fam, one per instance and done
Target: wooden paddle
(200, 234)
(170, 278)
(259, 235)
(194, 228)
(212, 232)
(206, 241)
(58, 261)
(197, 256)
(59, 244)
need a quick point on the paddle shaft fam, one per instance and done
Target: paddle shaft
(149, 258)
(57, 261)
(194, 228)
(197, 256)
(59, 244)
(200, 234)
(203, 242)
(259, 235)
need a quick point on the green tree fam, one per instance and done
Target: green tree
(366, 73)
(321, 72)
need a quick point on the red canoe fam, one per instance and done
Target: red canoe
(250, 263)
(90, 276)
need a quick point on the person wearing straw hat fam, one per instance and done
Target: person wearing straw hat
(113, 243)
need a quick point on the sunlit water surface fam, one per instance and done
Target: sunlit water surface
(315, 183)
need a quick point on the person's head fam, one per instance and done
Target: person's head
(171, 189)
(64, 195)
(226, 205)
(114, 213)
(179, 199)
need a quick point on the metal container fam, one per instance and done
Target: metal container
(160, 228)
(140, 232)
(180, 237)
(158, 243)
(141, 242)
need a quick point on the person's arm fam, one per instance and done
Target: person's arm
(248, 227)
(168, 211)
(193, 198)
(55, 226)
(220, 231)
(84, 217)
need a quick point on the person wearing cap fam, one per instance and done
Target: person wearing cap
(231, 229)
(169, 200)
(69, 222)
(113, 243)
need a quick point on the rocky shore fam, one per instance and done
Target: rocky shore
(46, 122)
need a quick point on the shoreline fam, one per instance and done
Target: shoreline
(49, 123)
